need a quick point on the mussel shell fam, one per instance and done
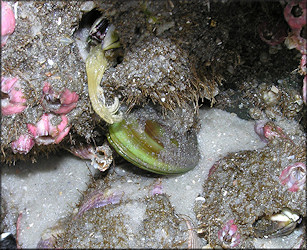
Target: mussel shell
(154, 145)
(277, 225)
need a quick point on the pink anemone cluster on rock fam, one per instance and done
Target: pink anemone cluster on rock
(13, 101)
(23, 144)
(12, 97)
(44, 132)
(276, 33)
(295, 14)
(58, 103)
(7, 22)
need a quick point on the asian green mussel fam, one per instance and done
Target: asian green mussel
(142, 137)
(150, 142)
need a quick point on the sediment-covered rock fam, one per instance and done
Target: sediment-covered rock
(246, 186)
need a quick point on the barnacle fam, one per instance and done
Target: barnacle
(101, 156)
(96, 64)
(7, 22)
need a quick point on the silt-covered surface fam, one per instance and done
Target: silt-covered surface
(223, 57)
(253, 189)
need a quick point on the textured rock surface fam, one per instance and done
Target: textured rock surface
(245, 186)
(151, 61)
(46, 47)
(42, 50)
(259, 82)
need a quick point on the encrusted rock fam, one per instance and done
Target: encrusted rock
(245, 186)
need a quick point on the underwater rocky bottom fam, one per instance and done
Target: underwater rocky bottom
(248, 188)
(63, 202)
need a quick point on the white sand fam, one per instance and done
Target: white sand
(43, 192)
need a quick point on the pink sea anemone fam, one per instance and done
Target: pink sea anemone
(158, 188)
(12, 97)
(294, 176)
(229, 235)
(258, 127)
(295, 13)
(98, 199)
(23, 144)
(305, 89)
(58, 103)
(271, 131)
(45, 133)
(86, 152)
(267, 131)
(303, 65)
(7, 22)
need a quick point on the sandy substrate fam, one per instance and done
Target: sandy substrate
(47, 190)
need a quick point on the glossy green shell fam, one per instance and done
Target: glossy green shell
(153, 146)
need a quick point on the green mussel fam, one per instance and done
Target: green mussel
(153, 143)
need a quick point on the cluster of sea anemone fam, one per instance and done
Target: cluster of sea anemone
(295, 15)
